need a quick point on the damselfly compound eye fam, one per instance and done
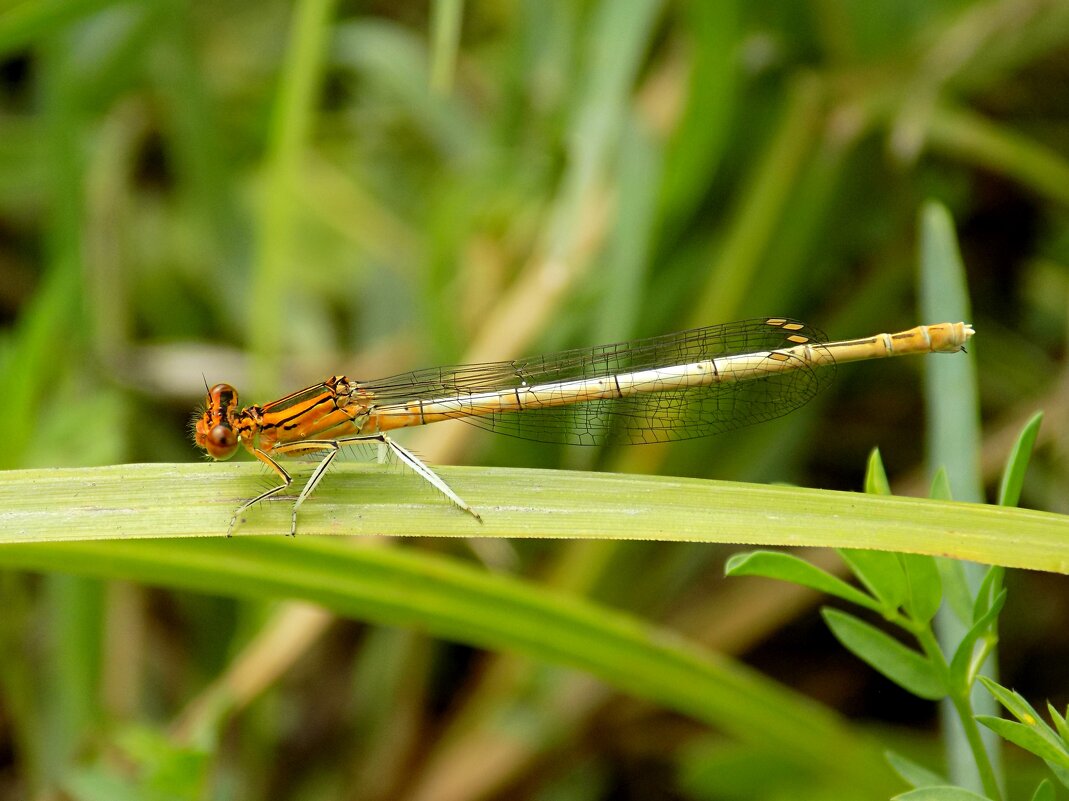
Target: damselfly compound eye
(222, 396)
(221, 442)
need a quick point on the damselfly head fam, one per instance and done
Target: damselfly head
(214, 430)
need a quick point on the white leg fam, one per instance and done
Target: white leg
(411, 460)
(406, 456)
(286, 481)
(313, 481)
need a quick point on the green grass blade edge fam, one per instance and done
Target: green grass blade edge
(188, 500)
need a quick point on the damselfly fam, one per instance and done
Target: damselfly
(672, 387)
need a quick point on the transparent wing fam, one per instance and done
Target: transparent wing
(656, 416)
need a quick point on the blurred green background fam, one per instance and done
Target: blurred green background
(269, 193)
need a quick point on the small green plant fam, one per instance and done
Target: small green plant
(908, 590)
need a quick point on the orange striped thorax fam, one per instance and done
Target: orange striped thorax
(336, 408)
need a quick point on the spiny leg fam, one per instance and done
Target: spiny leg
(286, 481)
(313, 481)
(406, 456)
(421, 469)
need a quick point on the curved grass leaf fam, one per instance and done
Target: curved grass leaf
(197, 500)
(446, 598)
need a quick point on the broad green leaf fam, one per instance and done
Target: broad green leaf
(881, 573)
(1030, 738)
(913, 773)
(904, 666)
(925, 587)
(1009, 489)
(787, 567)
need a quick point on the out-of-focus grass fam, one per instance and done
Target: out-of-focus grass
(270, 193)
